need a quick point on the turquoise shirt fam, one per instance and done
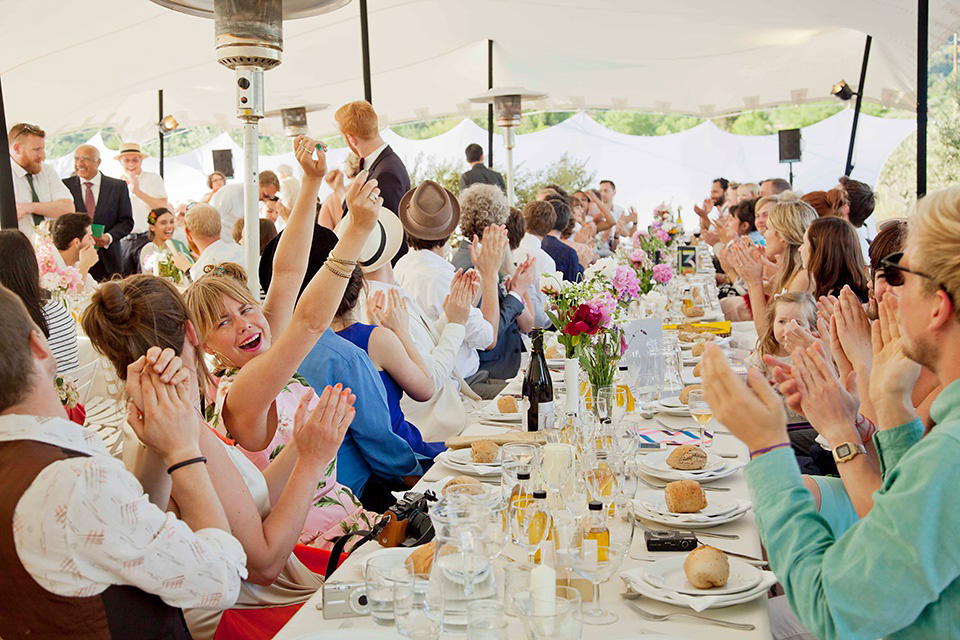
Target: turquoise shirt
(896, 572)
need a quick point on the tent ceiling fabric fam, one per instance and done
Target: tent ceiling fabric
(100, 63)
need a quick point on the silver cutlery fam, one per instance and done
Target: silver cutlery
(759, 562)
(661, 486)
(629, 596)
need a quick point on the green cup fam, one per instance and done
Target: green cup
(96, 230)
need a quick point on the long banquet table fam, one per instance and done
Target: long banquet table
(309, 620)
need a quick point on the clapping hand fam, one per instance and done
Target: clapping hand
(393, 315)
(784, 376)
(335, 180)
(796, 337)
(487, 254)
(830, 407)
(753, 412)
(166, 420)
(457, 305)
(303, 148)
(523, 276)
(587, 232)
(704, 211)
(364, 202)
(894, 374)
(318, 433)
(747, 264)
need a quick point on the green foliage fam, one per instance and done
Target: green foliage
(645, 124)
(569, 173)
(445, 172)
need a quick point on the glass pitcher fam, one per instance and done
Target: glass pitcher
(462, 566)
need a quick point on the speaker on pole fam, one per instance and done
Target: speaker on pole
(223, 161)
(789, 145)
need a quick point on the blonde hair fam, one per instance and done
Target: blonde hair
(202, 220)
(936, 227)
(357, 119)
(767, 344)
(204, 298)
(752, 187)
(766, 199)
(790, 218)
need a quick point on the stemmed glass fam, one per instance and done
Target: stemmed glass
(557, 464)
(530, 524)
(594, 560)
(600, 466)
(701, 412)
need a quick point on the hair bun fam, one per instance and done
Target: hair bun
(789, 196)
(113, 301)
(227, 270)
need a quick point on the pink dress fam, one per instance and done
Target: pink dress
(335, 510)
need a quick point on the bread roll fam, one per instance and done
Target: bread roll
(686, 336)
(484, 451)
(458, 481)
(707, 567)
(693, 312)
(696, 367)
(685, 394)
(684, 496)
(421, 560)
(507, 404)
(687, 457)
(698, 349)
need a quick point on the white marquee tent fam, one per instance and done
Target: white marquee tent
(99, 63)
(675, 168)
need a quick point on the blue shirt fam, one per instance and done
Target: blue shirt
(896, 572)
(757, 238)
(370, 446)
(568, 262)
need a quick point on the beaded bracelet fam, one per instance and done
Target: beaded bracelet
(174, 467)
(754, 454)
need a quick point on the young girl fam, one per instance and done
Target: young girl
(781, 311)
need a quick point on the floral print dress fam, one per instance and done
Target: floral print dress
(335, 510)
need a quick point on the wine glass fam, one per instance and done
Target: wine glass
(529, 523)
(557, 464)
(598, 562)
(600, 472)
(702, 413)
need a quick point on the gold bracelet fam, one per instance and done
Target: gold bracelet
(334, 271)
(347, 263)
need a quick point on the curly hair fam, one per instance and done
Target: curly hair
(480, 206)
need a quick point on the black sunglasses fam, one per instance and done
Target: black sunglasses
(893, 272)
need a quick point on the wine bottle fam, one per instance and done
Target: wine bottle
(537, 389)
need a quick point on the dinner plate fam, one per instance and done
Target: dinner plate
(691, 521)
(658, 462)
(492, 412)
(471, 469)
(462, 456)
(668, 574)
(718, 602)
(703, 478)
(399, 554)
(672, 402)
(720, 342)
(354, 634)
(655, 501)
(682, 411)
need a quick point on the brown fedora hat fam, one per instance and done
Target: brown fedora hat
(429, 212)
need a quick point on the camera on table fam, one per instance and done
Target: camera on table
(344, 600)
(407, 523)
(670, 540)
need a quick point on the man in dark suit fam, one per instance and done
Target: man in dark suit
(107, 201)
(360, 130)
(478, 172)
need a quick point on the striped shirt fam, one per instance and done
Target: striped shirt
(63, 336)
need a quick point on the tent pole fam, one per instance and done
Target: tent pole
(923, 19)
(251, 205)
(856, 110)
(160, 129)
(8, 203)
(490, 106)
(365, 48)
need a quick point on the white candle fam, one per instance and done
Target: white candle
(556, 463)
(543, 589)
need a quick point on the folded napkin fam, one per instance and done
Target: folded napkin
(635, 579)
(742, 507)
(477, 469)
(675, 437)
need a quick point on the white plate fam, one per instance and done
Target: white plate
(492, 412)
(658, 462)
(398, 553)
(702, 478)
(476, 470)
(462, 456)
(655, 501)
(672, 402)
(668, 574)
(555, 363)
(682, 412)
(661, 595)
(685, 521)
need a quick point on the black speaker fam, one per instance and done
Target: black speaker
(223, 161)
(789, 145)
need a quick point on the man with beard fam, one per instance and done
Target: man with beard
(37, 188)
(717, 197)
(360, 130)
(895, 573)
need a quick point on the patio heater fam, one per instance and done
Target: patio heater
(249, 40)
(507, 104)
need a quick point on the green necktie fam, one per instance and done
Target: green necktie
(37, 219)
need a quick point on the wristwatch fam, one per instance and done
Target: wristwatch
(847, 451)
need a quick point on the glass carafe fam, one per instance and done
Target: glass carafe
(462, 566)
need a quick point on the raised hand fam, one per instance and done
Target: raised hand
(830, 407)
(364, 202)
(458, 303)
(796, 337)
(753, 413)
(853, 330)
(335, 180)
(167, 420)
(395, 316)
(747, 264)
(376, 304)
(303, 149)
(894, 374)
(487, 254)
(785, 377)
(88, 258)
(318, 433)
(523, 276)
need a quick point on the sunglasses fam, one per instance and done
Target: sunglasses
(893, 271)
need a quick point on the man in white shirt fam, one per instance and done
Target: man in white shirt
(607, 192)
(204, 235)
(37, 188)
(82, 547)
(228, 201)
(146, 188)
(429, 215)
(73, 241)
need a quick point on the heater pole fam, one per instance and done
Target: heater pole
(365, 50)
(508, 139)
(251, 205)
(490, 106)
(160, 127)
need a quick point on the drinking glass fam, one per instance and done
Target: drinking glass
(592, 564)
(556, 469)
(417, 607)
(521, 452)
(554, 617)
(380, 575)
(600, 473)
(486, 621)
(516, 578)
(702, 413)
(530, 524)
(508, 476)
(621, 520)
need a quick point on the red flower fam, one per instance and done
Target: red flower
(585, 320)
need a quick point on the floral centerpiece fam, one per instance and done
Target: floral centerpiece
(62, 283)
(161, 264)
(665, 228)
(66, 391)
